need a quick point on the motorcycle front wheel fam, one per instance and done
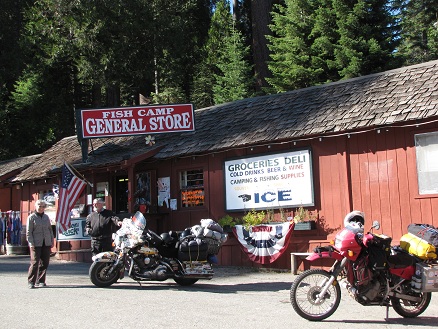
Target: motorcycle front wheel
(410, 309)
(100, 276)
(305, 291)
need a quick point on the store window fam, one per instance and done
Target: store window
(192, 188)
(426, 146)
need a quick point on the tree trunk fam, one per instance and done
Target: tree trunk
(113, 96)
(96, 98)
(261, 18)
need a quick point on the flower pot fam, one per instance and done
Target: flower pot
(305, 226)
(227, 228)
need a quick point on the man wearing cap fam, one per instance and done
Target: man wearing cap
(100, 225)
(40, 237)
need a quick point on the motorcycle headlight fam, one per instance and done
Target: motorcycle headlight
(338, 243)
(117, 240)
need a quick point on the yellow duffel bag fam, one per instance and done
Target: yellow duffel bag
(417, 246)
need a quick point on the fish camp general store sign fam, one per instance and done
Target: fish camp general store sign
(125, 121)
(269, 181)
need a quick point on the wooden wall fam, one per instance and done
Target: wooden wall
(374, 172)
(384, 180)
(371, 171)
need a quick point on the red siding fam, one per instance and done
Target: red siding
(368, 171)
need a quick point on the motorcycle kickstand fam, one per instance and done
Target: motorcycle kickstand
(387, 312)
(139, 283)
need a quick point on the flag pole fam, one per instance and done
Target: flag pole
(78, 173)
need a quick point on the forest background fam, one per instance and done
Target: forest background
(60, 55)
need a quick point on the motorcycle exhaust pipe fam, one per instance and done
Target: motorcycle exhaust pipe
(351, 290)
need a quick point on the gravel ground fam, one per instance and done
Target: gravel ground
(235, 298)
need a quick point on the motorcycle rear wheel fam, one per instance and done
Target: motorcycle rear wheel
(99, 274)
(409, 309)
(185, 281)
(304, 291)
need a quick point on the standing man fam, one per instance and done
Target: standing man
(100, 225)
(39, 236)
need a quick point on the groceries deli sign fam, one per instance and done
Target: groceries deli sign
(279, 180)
(126, 121)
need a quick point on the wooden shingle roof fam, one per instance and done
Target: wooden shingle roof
(378, 100)
(9, 168)
(409, 93)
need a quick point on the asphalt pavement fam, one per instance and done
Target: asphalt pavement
(235, 298)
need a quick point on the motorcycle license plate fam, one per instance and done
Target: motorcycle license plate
(197, 268)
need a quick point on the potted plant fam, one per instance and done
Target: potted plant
(304, 219)
(273, 218)
(227, 222)
(253, 218)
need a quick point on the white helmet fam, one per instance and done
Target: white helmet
(355, 216)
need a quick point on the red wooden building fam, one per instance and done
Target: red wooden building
(372, 144)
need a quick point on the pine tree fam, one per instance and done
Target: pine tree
(366, 41)
(418, 29)
(290, 46)
(234, 80)
(319, 41)
(207, 69)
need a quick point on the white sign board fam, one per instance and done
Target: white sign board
(279, 180)
(75, 232)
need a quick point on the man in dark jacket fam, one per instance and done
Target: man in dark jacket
(100, 225)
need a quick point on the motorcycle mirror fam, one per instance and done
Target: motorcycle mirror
(376, 225)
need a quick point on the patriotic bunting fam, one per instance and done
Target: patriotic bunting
(264, 244)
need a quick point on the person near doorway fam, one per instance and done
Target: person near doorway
(100, 225)
(40, 237)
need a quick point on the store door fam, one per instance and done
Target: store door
(121, 205)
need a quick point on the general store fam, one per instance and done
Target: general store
(368, 143)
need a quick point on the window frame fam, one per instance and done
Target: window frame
(422, 165)
(185, 188)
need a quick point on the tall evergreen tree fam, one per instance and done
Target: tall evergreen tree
(418, 28)
(260, 21)
(224, 74)
(93, 53)
(290, 46)
(327, 40)
(11, 66)
(234, 80)
(366, 42)
(179, 32)
(207, 69)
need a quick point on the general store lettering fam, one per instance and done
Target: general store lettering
(170, 122)
(101, 126)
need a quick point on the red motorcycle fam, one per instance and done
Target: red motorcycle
(373, 272)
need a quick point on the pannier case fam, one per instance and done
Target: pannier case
(429, 277)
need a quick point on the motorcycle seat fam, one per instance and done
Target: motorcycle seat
(401, 259)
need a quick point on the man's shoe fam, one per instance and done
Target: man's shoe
(30, 285)
(42, 285)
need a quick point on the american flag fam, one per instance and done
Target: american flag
(69, 192)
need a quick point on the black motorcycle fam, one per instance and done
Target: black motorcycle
(184, 257)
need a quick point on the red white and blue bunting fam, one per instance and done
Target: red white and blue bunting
(264, 244)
